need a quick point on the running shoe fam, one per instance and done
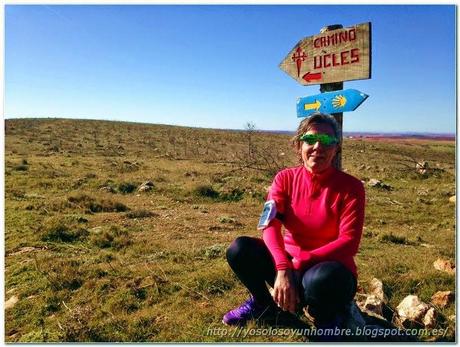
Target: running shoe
(247, 311)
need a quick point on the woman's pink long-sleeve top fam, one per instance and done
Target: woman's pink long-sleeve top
(323, 218)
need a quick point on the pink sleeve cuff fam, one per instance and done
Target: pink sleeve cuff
(275, 244)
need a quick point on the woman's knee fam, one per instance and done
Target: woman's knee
(328, 281)
(239, 248)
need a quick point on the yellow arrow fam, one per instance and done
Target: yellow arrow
(315, 106)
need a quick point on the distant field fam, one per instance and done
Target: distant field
(413, 140)
(90, 258)
(402, 136)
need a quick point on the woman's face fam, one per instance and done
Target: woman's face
(318, 157)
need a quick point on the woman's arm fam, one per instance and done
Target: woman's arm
(284, 290)
(274, 241)
(272, 235)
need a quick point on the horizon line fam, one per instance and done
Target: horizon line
(374, 132)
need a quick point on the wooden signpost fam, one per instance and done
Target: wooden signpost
(335, 55)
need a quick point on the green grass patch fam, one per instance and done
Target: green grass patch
(84, 272)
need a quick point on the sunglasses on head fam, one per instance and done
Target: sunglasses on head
(324, 139)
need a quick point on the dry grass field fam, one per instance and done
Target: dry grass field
(90, 258)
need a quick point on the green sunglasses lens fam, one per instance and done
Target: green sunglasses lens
(310, 139)
(324, 139)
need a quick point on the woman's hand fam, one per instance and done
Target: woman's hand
(284, 291)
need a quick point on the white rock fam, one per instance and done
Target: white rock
(452, 199)
(411, 308)
(374, 304)
(376, 288)
(146, 186)
(430, 318)
(11, 302)
(421, 167)
(23, 250)
(107, 189)
(373, 182)
(426, 245)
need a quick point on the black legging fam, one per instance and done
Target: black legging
(327, 286)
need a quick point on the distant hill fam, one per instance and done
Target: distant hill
(403, 135)
(351, 134)
(383, 135)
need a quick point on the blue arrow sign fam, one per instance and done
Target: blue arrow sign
(331, 102)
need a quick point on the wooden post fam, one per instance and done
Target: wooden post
(330, 87)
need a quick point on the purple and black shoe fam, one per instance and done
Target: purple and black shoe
(247, 311)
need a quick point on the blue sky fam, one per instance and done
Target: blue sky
(216, 66)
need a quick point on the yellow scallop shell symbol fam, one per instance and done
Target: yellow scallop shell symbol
(339, 101)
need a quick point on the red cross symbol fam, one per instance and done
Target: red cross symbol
(299, 58)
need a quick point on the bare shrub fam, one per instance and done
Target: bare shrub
(141, 214)
(21, 167)
(76, 325)
(104, 205)
(127, 187)
(60, 232)
(113, 238)
(61, 273)
(417, 168)
(206, 191)
(258, 157)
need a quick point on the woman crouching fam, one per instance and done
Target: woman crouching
(322, 211)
